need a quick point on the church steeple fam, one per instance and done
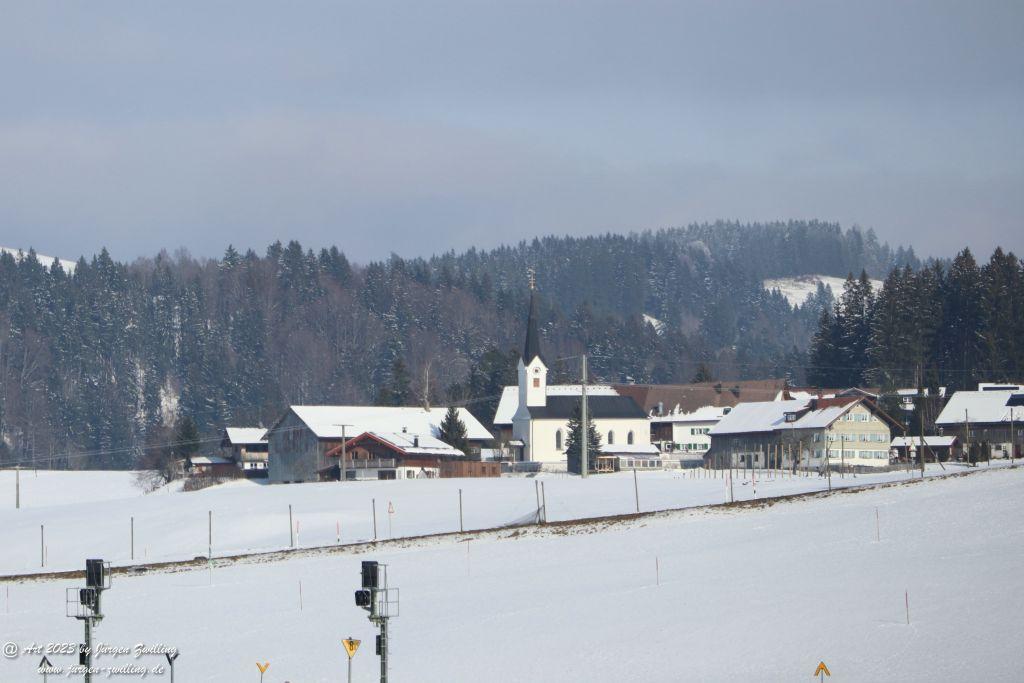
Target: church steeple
(533, 371)
(532, 348)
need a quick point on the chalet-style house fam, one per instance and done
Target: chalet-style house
(300, 439)
(987, 420)
(247, 447)
(401, 455)
(540, 425)
(851, 431)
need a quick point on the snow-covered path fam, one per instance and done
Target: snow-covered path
(757, 594)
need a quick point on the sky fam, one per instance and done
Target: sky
(422, 127)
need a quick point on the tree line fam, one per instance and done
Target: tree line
(100, 363)
(943, 324)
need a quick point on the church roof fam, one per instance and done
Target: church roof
(598, 407)
(532, 348)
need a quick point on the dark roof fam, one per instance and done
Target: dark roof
(690, 397)
(598, 407)
(532, 348)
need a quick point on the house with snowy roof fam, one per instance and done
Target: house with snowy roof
(987, 420)
(401, 455)
(686, 435)
(850, 431)
(300, 439)
(247, 447)
(540, 423)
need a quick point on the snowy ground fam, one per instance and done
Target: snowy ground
(89, 514)
(757, 594)
(797, 289)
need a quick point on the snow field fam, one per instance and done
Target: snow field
(246, 516)
(749, 594)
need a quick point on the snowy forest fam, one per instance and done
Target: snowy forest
(101, 362)
(945, 324)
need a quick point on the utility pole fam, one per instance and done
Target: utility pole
(967, 438)
(17, 487)
(584, 424)
(1013, 444)
(343, 467)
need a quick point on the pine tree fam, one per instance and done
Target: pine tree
(453, 430)
(574, 443)
(186, 438)
(396, 392)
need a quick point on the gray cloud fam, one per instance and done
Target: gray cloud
(423, 127)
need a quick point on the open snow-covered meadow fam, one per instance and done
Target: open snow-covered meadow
(754, 593)
(68, 516)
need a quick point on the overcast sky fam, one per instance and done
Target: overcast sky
(424, 127)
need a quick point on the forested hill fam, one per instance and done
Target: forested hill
(97, 364)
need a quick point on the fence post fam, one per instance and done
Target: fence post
(636, 492)
(291, 528)
(374, 502)
(461, 527)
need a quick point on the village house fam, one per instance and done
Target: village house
(400, 455)
(247, 447)
(936, 448)
(986, 421)
(540, 424)
(301, 438)
(844, 431)
(685, 436)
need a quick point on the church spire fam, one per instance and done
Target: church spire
(532, 348)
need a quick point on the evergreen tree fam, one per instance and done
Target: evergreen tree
(574, 443)
(186, 438)
(397, 391)
(453, 430)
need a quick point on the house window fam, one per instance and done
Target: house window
(536, 382)
(629, 438)
(611, 438)
(558, 440)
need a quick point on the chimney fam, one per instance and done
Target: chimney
(415, 442)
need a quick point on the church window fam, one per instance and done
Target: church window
(536, 382)
(611, 438)
(558, 440)
(629, 438)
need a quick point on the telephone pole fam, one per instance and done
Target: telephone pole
(584, 423)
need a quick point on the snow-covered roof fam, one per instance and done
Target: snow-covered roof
(509, 402)
(630, 449)
(978, 406)
(414, 444)
(210, 460)
(240, 436)
(702, 414)
(933, 441)
(327, 422)
(769, 416)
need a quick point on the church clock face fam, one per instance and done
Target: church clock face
(536, 371)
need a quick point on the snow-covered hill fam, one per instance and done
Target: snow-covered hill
(68, 266)
(753, 594)
(797, 289)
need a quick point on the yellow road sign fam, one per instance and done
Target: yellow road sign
(263, 667)
(351, 646)
(822, 669)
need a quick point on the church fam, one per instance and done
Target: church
(540, 423)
